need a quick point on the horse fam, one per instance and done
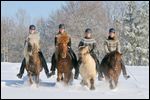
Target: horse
(87, 68)
(33, 61)
(64, 63)
(111, 67)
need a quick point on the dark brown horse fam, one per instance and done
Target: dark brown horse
(33, 63)
(64, 65)
(111, 67)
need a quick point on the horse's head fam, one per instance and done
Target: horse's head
(118, 56)
(31, 48)
(63, 46)
(62, 50)
(83, 50)
(114, 58)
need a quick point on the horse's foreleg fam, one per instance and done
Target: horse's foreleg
(38, 69)
(116, 79)
(62, 78)
(85, 82)
(92, 87)
(71, 78)
(30, 78)
(112, 84)
(82, 82)
(66, 78)
(59, 76)
(116, 82)
(37, 80)
(27, 67)
(88, 83)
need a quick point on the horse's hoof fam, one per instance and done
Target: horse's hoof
(112, 87)
(92, 88)
(58, 80)
(37, 85)
(62, 78)
(31, 83)
(82, 83)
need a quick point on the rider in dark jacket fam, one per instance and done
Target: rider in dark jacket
(71, 52)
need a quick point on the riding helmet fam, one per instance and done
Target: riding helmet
(111, 30)
(88, 30)
(62, 26)
(32, 27)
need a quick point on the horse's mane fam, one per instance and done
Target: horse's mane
(63, 38)
(33, 42)
(81, 48)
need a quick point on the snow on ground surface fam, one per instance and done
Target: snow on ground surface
(137, 87)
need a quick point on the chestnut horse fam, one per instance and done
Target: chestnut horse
(64, 63)
(111, 67)
(33, 62)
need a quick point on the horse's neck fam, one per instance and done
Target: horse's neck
(68, 56)
(34, 40)
(86, 58)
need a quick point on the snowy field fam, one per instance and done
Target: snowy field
(137, 87)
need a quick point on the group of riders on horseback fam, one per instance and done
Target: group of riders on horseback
(110, 45)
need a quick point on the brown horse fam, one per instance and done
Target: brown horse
(33, 63)
(64, 65)
(111, 67)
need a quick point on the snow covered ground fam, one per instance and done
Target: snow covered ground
(136, 87)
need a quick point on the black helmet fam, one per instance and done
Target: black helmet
(62, 26)
(32, 27)
(88, 30)
(111, 30)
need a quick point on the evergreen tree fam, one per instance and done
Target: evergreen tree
(136, 35)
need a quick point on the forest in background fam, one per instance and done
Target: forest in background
(129, 18)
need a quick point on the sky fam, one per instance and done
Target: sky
(35, 9)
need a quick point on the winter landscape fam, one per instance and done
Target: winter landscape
(137, 87)
(128, 19)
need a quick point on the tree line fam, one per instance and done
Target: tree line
(129, 18)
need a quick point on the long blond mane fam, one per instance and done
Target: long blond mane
(33, 40)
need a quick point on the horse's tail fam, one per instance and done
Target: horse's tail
(92, 84)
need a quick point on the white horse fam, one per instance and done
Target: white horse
(87, 68)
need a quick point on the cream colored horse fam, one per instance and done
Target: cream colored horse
(87, 68)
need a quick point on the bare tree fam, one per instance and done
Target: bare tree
(79, 15)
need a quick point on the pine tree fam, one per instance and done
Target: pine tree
(135, 34)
